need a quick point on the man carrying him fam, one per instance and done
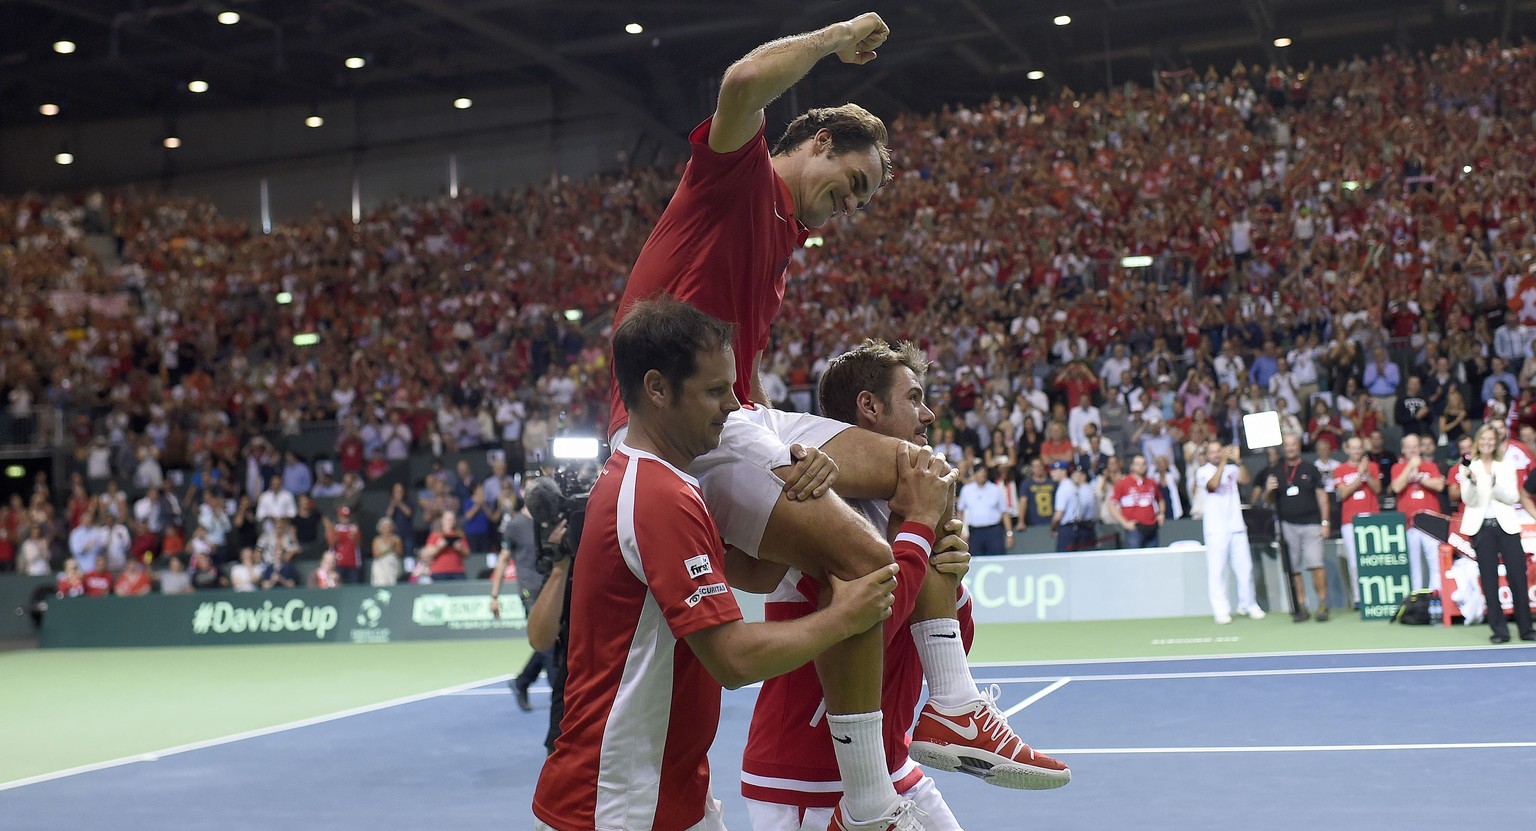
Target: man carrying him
(654, 629)
(1136, 503)
(722, 245)
(1226, 536)
(789, 771)
(1304, 510)
(519, 546)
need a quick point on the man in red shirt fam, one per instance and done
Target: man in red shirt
(1417, 482)
(1137, 504)
(654, 629)
(1357, 482)
(446, 549)
(98, 581)
(133, 581)
(722, 245)
(346, 541)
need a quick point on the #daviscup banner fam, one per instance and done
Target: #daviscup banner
(350, 614)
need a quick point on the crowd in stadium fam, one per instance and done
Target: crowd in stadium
(1352, 245)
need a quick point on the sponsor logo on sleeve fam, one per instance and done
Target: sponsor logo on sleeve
(706, 591)
(699, 566)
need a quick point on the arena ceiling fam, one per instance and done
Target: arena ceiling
(137, 58)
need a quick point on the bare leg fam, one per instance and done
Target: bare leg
(866, 469)
(826, 535)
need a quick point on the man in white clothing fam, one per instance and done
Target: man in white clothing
(1226, 537)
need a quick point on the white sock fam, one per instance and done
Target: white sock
(867, 789)
(950, 684)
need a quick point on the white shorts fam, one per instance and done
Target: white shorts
(740, 487)
(771, 816)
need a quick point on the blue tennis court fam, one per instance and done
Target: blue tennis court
(1257, 742)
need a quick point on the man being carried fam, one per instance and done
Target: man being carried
(722, 245)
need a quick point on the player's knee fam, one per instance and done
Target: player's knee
(854, 555)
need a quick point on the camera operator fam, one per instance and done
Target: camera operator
(654, 629)
(520, 546)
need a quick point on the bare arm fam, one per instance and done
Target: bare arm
(766, 72)
(750, 574)
(740, 653)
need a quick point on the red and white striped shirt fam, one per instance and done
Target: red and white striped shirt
(789, 759)
(640, 708)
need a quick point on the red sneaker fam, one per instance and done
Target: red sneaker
(904, 818)
(977, 740)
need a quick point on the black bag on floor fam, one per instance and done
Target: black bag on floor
(1415, 610)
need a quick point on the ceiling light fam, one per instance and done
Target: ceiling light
(49, 109)
(1035, 74)
(462, 103)
(314, 121)
(1062, 19)
(355, 62)
(171, 142)
(64, 47)
(64, 157)
(197, 85)
(634, 28)
(229, 18)
(1281, 43)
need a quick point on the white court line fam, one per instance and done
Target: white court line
(156, 755)
(1011, 711)
(1302, 748)
(1242, 655)
(1259, 673)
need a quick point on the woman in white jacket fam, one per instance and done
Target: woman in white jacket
(1491, 495)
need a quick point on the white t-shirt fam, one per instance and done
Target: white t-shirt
(1223, 508)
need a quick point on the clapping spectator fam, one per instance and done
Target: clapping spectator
(245, 575)
(280, 573)
(325, 576)
(174, 578)
(97, 581)
(71, 581)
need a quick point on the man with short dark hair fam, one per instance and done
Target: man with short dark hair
(654, 629)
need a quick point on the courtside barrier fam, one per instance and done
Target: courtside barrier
(350, 614)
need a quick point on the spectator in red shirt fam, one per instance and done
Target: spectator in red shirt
(1417, 483)
(1137, 504)
(98, 581)
(345, 540)
(1357, 482)
(133, 581)
(71, 582)
(446, 549)
(1056, 447)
